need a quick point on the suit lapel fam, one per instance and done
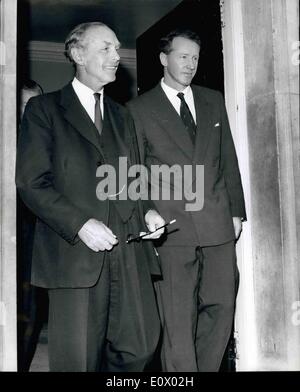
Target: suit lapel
(118, 126)
(77, 116)
(204, 126)
(171, 122)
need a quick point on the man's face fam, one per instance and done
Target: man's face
(98, 58)
(180, 65)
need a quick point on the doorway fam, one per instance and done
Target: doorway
(7, 266)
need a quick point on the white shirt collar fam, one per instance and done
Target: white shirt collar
(86, 97)
(170, 91)
(171, 94)
(82, 88)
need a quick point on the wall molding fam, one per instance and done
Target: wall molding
(54, 52)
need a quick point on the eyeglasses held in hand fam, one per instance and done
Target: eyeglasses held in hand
(131, 237)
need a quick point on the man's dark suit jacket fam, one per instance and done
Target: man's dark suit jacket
(163, 140)
(58, 154)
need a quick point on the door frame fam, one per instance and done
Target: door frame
(8, 316)
(235, 98)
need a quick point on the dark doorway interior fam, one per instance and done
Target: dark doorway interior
(203, 17)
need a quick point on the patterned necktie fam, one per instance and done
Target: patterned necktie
(98, 116)
(187, 117)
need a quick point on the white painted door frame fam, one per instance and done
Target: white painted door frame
(8, 319)
(232, 33)
(234, 79)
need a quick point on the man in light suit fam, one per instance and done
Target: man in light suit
(102, 308)
(200, 276)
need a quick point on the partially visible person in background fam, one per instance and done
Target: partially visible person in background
(29, 89)
(32, 301)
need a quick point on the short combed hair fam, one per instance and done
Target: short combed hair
(76, 36)
(32, 85)
(165, 43)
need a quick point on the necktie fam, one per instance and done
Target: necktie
(98, 116)
(187, 117)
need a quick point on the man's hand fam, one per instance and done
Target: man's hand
(237, 224)
(153, 221)
(97, 236)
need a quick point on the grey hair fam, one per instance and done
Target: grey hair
(75, 37)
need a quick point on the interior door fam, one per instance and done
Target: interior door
(199, 15)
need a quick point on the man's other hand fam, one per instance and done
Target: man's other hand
(153, 221)
(97, 236)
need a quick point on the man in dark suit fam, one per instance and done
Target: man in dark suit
(200, 275)
(102, 309)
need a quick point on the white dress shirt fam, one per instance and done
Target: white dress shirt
(171, 93)
(86, 98)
